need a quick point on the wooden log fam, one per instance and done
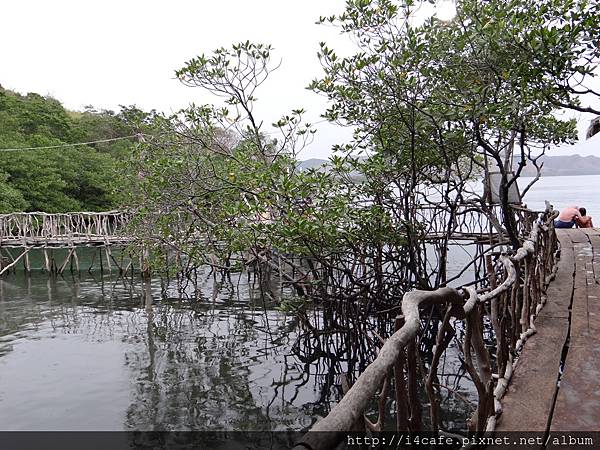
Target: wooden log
(15, 261)
(66, 261)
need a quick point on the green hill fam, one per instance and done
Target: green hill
(60, 179)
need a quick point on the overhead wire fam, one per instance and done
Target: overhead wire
(100, 141)
(77, 144)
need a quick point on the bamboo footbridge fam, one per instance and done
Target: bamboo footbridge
(540, 374)
(48, 232)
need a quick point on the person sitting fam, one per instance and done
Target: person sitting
(567, 217)
(584, 221)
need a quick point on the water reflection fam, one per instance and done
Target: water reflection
(211, 353)
(109, 354)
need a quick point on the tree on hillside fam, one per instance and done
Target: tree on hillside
(11, 198)
(65, 178)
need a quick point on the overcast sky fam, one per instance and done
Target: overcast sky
(109, 53)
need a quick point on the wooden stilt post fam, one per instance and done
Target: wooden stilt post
(107, 251)
(131, 264)
(76, 289)
(76, 258)
(53, 268)
(92, 262)
(148, 298)
(25, 255)
(279, 271)
(47, 261)
(26, 264)
(144, 263)
(101, 265)
(122, 259)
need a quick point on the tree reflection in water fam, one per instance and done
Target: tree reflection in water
(206, 353)
(217, 357)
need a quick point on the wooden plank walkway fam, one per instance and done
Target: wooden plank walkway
(543, 395)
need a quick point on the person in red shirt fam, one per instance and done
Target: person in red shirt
(567, 217)
(584, 221)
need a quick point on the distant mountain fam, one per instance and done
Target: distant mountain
(322, 165)
(565, 165)
(553, 165)
(312, 163)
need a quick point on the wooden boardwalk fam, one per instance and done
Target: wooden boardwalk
(556, 384)
(63, 230)
(50, 232)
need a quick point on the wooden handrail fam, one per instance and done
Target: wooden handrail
(343, 417)
(39, 229)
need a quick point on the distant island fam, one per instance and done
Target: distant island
(566, 165)
(553, 165)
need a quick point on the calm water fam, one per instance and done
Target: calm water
(90, 354)
(98, 353)
(565, 191)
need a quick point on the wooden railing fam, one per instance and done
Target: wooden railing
(65, 229)
(512, 298)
